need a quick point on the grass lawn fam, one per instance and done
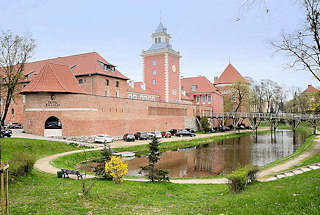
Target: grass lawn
(36, 148)
(42, 193)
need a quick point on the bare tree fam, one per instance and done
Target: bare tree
(240, 93)
(15, 50)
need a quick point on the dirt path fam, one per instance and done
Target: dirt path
(44, 164)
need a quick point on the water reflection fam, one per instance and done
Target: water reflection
(224, 156)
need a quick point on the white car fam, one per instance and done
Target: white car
(158, 134)
(103, 138)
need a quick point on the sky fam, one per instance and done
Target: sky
(207, 33)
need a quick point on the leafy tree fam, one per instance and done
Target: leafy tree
(154, 174)
(15, 50)
(205, 124)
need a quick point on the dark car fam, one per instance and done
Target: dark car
(173, 131)
(141, 136)
(166, 134)
(129, 137)
(224, 128)
(190, 130)
(6, 133)
(181, 133)
(14, 125)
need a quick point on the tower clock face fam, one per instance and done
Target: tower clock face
(173, 68)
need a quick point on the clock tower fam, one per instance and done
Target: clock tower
(161, 67)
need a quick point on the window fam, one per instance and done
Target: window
(24, 99)
(233, 98)
(154, 62)
(80, 81)
(129, 96)
(107, 82)
(170, 100)
(12, 111)
(203, 99)
(183, 93)
(198, 99)
(134, 96)
(154, 81)
(194, 87)
(107, 91)
(117, 93)
(117, 83)
(153, 99)
(159, 40)
(174, 92)
(145, 98)
(156, 40)
(209, 99)
(154, 72)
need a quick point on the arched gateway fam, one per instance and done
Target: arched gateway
(52, 127)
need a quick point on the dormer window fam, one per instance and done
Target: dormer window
(194, 87)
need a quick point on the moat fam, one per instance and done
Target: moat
(222, 157)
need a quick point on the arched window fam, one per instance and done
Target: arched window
(53, 123)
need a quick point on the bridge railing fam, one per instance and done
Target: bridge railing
(266, 116)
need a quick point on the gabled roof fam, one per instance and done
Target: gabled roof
(53, 78)
(229, 76)
(140, 87)
(81, 64)
(310, 89)
(202, 83)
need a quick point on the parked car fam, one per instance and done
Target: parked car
(224, 128)
(151, 135)
(166, 134)
(157, 134)
(129, 137)
(181, 133)
(190, 130)
(173, 131)
(6, 133)
(141, 136)
(103, 138)
(14, 125)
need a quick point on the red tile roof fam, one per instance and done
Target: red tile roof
(229, 76)
(53, 78)
(202, 83)
(138, 89)
(310, 89)
(81, 64)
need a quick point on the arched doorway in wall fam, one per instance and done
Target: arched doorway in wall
(52, 127)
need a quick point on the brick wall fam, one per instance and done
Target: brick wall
(87, 115)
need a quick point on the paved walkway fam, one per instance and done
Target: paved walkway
(44, 164)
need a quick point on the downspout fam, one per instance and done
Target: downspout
(91, 84)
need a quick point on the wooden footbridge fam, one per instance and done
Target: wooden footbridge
(254, 119)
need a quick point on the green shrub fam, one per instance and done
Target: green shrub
(21, 164)
(240, 178)
(205, 125)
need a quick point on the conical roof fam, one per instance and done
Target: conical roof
(161, 28)
(310, 89)
(229, 76)
(53, 78)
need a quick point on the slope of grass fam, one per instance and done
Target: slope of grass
(36, 148)
(45, 194)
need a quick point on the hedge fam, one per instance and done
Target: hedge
(240, 178)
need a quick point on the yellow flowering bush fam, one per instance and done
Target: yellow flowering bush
(117, 168)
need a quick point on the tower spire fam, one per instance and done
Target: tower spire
(160, 16)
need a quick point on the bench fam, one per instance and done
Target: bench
(66, 172)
